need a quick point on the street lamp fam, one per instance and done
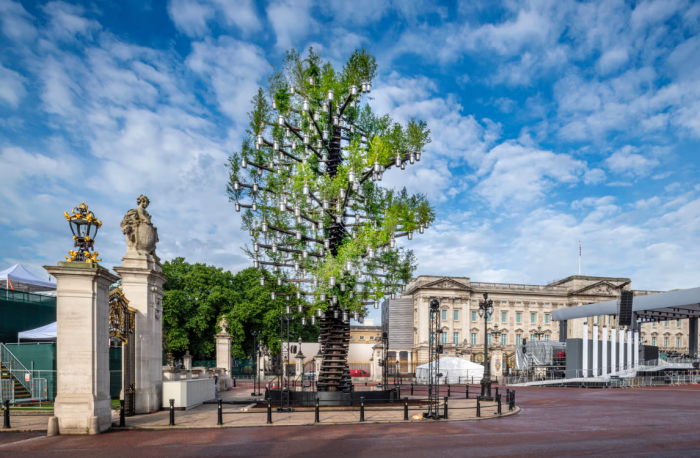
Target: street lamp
(539, 333)
(496, 334)
(84, 226)
(486, 310)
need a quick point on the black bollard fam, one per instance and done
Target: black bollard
(445, 412)
(405, 408)
(234, 382)
(269, 411)
(220, 419)
(496, 391)
(317, 419)
(122, 420)
(6, 416)
(362, 409)
(398, 392)
(467, 391)
(411, 389)
(448, 390)
(498, 398)
(172, 412)
(478, 406)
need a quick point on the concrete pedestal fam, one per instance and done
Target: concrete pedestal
(82, 402)
(496, 363)
(142, 284)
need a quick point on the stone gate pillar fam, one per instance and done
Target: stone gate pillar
(83, 403)
(142, 284)
(223, 352)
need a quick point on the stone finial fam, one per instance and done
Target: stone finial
(223, 323)
(141, 234)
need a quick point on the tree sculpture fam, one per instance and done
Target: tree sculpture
(308, 176)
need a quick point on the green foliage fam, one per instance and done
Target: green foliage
(196, 295)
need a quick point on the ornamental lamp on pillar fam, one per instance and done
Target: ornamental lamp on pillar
(84, 226)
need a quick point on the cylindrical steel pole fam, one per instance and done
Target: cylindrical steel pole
(172, 412)
(122, 420)
(317, 419)
(6, 416)
(269, 411)
(405, 408)
(220, 419)
(445, 412)
(362, 409)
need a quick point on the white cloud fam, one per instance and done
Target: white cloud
(16, 21)
(11, 87)
(291, 21)
(594, 176)
(627, 161)
(193, 17)
(66, 21)
(233, 69)
(612, 60)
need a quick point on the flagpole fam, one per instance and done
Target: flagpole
(579, 257)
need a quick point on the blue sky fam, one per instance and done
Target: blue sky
(552, 122)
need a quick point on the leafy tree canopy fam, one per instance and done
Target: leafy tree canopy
(196, 295)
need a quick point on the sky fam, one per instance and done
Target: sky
(552, 122)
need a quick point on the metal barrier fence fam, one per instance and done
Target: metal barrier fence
(443, 407)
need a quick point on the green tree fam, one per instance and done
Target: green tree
(196, 295)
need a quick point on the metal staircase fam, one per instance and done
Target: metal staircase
(15, 379)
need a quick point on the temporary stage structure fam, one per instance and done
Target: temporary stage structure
(18, 278)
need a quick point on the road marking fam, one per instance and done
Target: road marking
(23, 440)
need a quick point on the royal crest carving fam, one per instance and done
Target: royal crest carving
(223, 324)
(141, 234)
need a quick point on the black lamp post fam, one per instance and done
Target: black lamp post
(486, 310)
(539, 333)
(257, 336)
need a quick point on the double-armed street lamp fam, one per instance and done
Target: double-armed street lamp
(539, 333)
(485, 311)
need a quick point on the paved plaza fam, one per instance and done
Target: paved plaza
(658, 421)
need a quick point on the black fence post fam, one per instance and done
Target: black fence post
(220, 419)
(172, 412)
(362, 408)
(448, 390)
(317, 419)
(498, 398)
(234, 382)
(405, 408)
(478, 406)
(269, 411)
(496, 391)
(398, 393)
(411, 388)
(6, 416)
(467, 391)
(445, 413)
(122, 420)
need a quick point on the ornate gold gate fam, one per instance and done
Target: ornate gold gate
(121, 329)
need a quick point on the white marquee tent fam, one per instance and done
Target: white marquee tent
(18, 278)
(47, 332)
(454, 370)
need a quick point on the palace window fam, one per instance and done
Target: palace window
(489, 318)
(503, 339)
(444, 337)
(371, 337)
(533, 318)
(456, 315)
(678, 342)
(666, 323)
(654, 324)
(473, 338)
(653, 341)
(455, 337)
(678, 323)
(503, 317)
(473, 316)
(546, 318)
(518, 339)
(518, 317)
(546, 337)
(362, 337)
(488, 338)
(666, 341)
(444, 315)
(532, 337)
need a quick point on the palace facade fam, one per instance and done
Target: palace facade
(520, 311)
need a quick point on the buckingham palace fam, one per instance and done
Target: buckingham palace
(520, 312)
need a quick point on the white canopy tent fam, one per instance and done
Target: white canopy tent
(47, 333)
(18, 278)
(453, 370)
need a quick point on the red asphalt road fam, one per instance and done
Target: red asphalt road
(554, 422)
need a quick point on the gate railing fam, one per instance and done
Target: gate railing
(7, 390)
(40, 389)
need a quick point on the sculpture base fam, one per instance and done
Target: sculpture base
(335, 398)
